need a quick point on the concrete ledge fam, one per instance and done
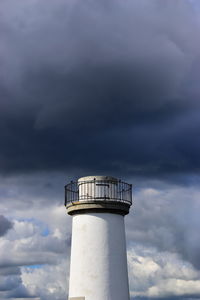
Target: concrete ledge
(99, 207)
(77, 298)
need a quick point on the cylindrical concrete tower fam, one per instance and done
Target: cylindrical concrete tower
(98, 268)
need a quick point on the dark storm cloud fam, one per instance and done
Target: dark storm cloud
(99, 87)
(5, 225)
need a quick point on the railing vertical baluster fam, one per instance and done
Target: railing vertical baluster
(96, 190)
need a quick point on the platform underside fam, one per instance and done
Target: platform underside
(98, 206)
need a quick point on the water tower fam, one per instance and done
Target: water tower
(98, 267)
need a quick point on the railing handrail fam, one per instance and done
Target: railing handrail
(114, 191)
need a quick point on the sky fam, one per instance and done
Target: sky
(94, 87)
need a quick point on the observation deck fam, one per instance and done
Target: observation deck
(98, 194)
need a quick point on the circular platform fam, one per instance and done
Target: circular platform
(98, 194)
(99, 207)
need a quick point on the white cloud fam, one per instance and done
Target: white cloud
(49, 282)
(161, 274)
(166, 218)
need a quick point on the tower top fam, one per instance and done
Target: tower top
(98, 194)
(98, 177)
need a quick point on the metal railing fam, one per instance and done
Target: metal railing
(98, 190)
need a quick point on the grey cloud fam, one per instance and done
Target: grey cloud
(40, 252)
(166, 219)
(9, 282)
(189, 297)
(20, 292)
(5, 225)
(11, 285)
(10, 271)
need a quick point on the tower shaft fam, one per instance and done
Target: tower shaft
(98, 257)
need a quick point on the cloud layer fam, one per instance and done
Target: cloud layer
(162, 241)
(5, 225)
(78, 75)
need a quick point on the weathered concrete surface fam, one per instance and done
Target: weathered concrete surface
(98, 267)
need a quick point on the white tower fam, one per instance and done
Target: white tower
(98, 268)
